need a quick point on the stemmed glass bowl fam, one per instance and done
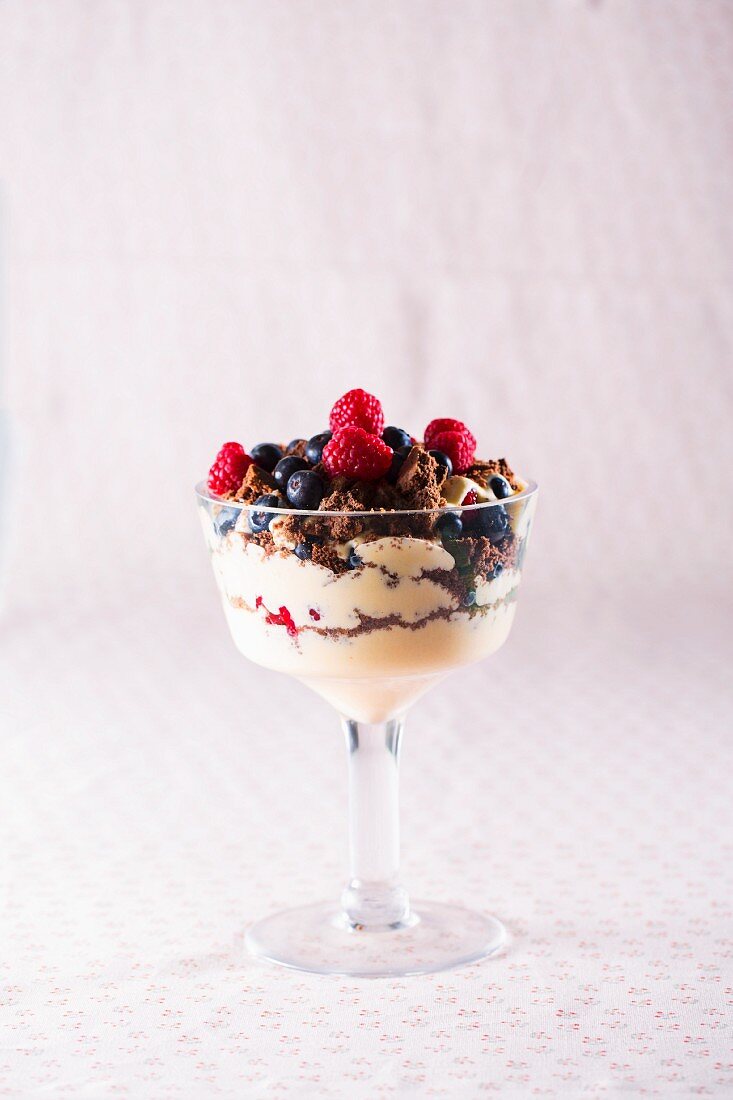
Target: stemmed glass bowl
(370, 610)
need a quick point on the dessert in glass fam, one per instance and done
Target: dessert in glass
(369, 565)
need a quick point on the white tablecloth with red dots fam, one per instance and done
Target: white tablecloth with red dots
(158, 794)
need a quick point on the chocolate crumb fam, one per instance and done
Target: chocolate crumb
(389, 497)
(257, 483)
(293, 528)
(420, 478)
(324, 554)
(341, 528)
(481, 472)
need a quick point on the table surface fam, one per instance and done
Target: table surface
(159, 793)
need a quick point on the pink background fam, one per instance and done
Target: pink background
(216, 217)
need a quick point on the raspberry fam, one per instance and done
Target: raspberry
(278, 618)
(470, 497)
(230, 466)
(435, 427)
(460, 448)
(359, 409)
(357, 453)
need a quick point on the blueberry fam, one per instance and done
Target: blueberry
(443, 460)
(493, 522)
(396, 437)
(450, 525)
(500, 487)
(497, 570)
(469, 598)
(260, 521)
(314, 447)
(286, 467)
(354, 560)
(305, 489)
(394, 471)
(224, 520)
(266, 455)
(293, 444)
(304, 550)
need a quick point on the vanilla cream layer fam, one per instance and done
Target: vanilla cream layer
(430, 648)
(367, 671)
(373, 675)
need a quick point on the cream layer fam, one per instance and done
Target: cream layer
(391, 582)
(373, 674)
(368, 670)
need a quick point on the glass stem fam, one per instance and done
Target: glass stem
(374, 898)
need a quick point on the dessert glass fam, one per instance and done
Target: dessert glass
(409, 608)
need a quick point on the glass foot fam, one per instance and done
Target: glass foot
(317, 939)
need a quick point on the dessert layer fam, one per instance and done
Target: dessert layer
(375, 648)
(405, 577)
(372, 674)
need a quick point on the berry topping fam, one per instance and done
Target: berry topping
(305, 489)
(230, 466)
(396, 437)
(492, 522)
(358, 409)
(304, 550)
(267, 456)
(450, 525)
(280, 618)
(436, 488)
(260, 520)
(500, 487)
(286, 467)
(459, 447)
(314, 446)
(357, 453)
(442, 459)
(435, 427)
(286, 619)
(224, 520)
(315, 615)
(470, 598)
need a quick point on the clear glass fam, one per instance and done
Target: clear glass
(370, 610)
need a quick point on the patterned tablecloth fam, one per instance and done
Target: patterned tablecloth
(158, 794)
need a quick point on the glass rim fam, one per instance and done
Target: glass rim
(203, 493)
